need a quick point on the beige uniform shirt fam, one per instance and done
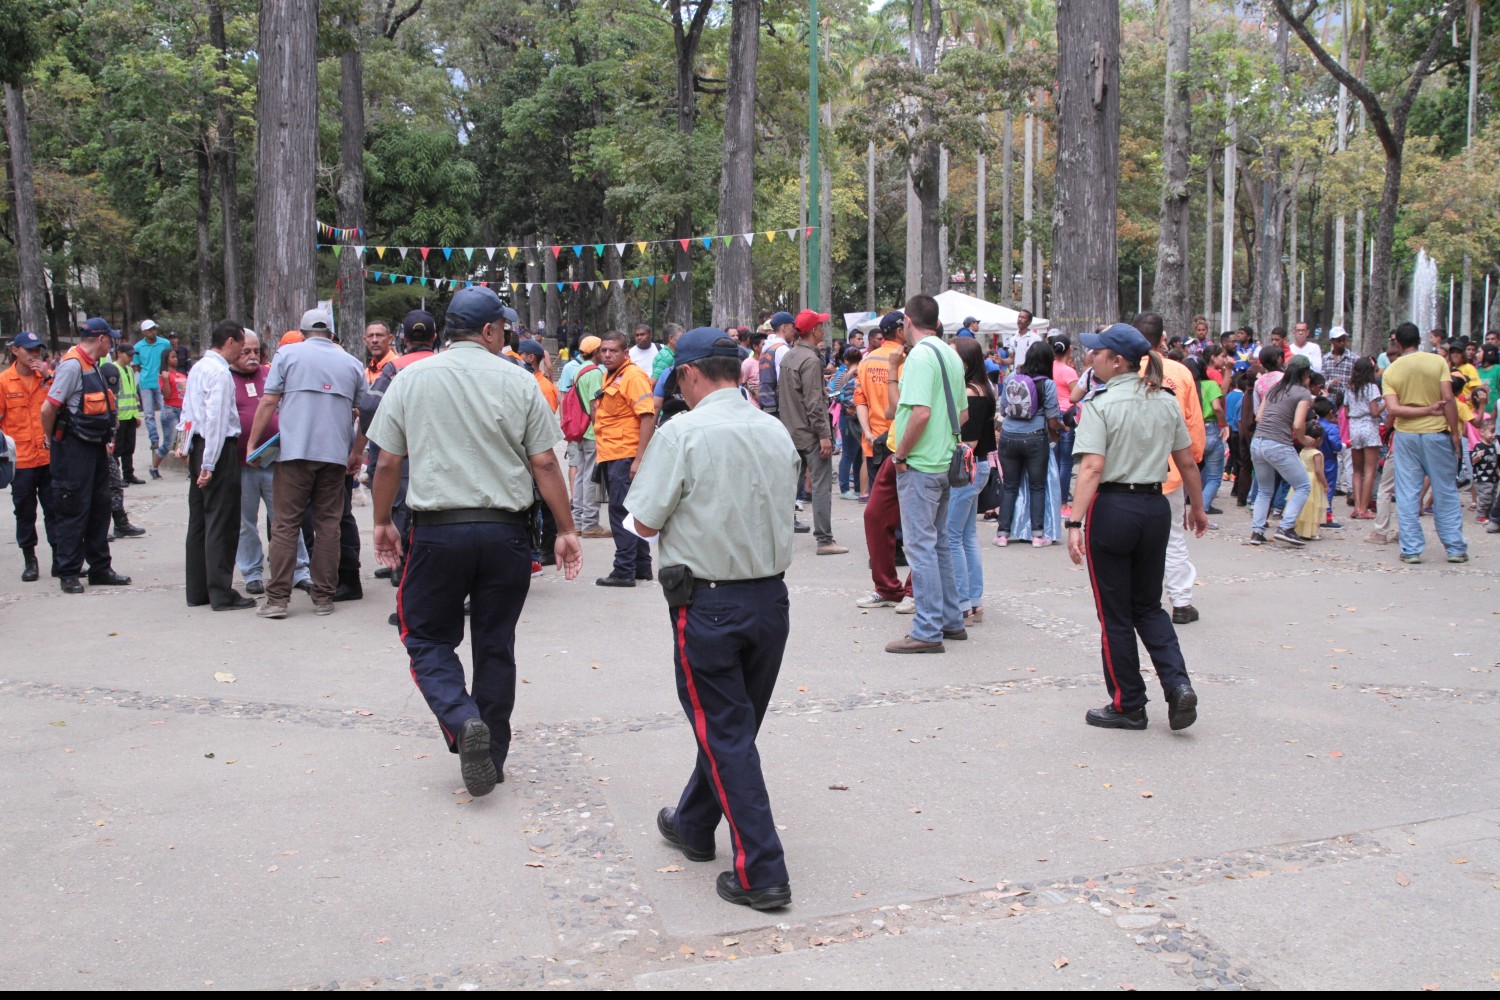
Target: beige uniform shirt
(719, 481)
(468, 420)
(1134, 430)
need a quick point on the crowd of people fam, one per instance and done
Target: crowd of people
(1118, 443)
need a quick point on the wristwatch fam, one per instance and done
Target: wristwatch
(898, 460)
(1072, 524)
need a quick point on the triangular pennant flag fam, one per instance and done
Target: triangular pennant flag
(770, 236)
(684, 244)
(360, 250)
(555, 252)
(728, 240)
(650, 279)
(484, 284)
(559, 286)
(641, 246)
(682, 275)
(336, 248)
(380, 253)
(447, 253)
(423, 281)
(513, 251)
(749, 238)
(469, 253)
(708, 242)
(599, 250)
(425, 252)
(403, 251)
(620, 249)
(575, 285)
(636, 282)
(578, 250)
(490, 252)
(468, 284)
(808, 232)
(792, 233)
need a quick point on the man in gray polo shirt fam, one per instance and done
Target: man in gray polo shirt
(315, 386)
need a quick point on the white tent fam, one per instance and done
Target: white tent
(955, 307)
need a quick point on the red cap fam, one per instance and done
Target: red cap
(807, 319)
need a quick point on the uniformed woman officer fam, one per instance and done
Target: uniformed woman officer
(1131, 426)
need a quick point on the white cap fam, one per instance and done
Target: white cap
(1337, 333)
(316, 321)
(148, 324)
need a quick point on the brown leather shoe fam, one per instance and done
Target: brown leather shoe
(906, 644)
(597, 531)
(831, 548)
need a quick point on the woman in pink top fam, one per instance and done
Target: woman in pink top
(1064, 376)
(172, 383)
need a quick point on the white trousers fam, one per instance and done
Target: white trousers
(1180, 573)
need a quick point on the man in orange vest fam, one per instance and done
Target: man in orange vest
(78, 418)
(378, 339)
(23, 387)
(534, 357)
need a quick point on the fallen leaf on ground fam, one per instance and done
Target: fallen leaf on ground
(1403, 879)
(686, 949)
(669, 869)
(59, 723)
(838, 788)
(365, 713)
(1335, 753)
(730, 942)
(384, 940)
(535, 864)
(1059, 962)
(1431, 987)
(223, 677)
(273, 868)
(1146, 795)
(1459, 861)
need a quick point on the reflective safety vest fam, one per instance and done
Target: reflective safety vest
(129, 399)
(767, 394)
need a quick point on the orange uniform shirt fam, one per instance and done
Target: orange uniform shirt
(627, 396)
(871, 389)
(549, 390)
(1175, 376)
(21, 398)
(373, 368)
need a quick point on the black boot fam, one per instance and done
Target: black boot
(123, 527)
(31, 571)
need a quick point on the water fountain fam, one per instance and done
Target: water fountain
(1424, 282)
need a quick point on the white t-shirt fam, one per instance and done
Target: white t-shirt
(1020, 344)
(1313, 353)
(644, 356)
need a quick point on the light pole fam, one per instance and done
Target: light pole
(814, 170)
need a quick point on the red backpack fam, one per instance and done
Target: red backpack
(573, 414)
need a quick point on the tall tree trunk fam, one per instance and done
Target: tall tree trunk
(981, 225)
(28, 236)
(802, 224)
(1265, 291)
(1208, 241)
(226, 165)
(1169, 295)
(1084, 253)
(1007, 196)
(286, 162)
(1226, 235)
(733, 286)
(552, 316)
(925, 164)
(870, 226)
(535, 296)
(1293, 313)
(205, 257)
(1466, 326)
(944, 270)
(351, 193)
(824, 221)
(686, 35)
(913, 238)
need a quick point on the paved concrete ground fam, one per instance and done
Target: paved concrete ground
(1333, 821)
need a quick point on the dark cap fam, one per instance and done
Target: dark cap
(29, 341)
(779, 320)
(530, 347)
(706, 342)
(124, 349)
(510, 315)
(419, 322)
(892, 320)
(970, 319)
(471, 308)
(1122, 338)
(95, 326)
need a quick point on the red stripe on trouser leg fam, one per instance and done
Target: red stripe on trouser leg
(1109, 663)
(700, 729)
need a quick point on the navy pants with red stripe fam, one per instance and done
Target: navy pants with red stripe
(1127, 551)
(489, 565)
(727, 648)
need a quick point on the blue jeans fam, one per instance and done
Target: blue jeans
(853, 454)
(169, 417)
(924, 498)
(963, 539)
(1213, 463)
(150, 404)
(256, 487)
(1274, 459)
(1063, 450)
(1431, 456)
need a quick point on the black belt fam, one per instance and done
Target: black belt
(1150, 488)
(468, 515)
(712, 584)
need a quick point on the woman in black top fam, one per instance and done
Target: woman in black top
(978, 432)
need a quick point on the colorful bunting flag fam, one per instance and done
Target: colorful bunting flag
(641, 246)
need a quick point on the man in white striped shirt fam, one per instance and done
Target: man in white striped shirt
(213, 422)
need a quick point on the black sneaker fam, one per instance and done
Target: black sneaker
(474, 758)
(1257, 538)
(255, 587)
(1182, 708)
(1289, 537)
(1185, 615)
(1213, 510)
(772, 897)
(666, 825)
(1108, 718)
(615, 581)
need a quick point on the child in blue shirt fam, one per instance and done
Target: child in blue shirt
(1330, 446)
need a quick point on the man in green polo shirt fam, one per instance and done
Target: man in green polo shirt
(925, 434)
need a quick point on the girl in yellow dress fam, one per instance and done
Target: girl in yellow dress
(1312, 458)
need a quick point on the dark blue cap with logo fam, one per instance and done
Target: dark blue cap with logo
(96, 326)
(421, 323)
(892, 320)
(1122, 338)
(27, 340)
(471, 308)
(707, 342)
(779, 320)
(531, 348)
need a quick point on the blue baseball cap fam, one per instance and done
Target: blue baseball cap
(1122, 338)
(708, 342)
(530, 347)
(471, 308)
(892, 320)
(991, 366)
(28, 341)
(96, 326)
(419, 322)
(780, 319)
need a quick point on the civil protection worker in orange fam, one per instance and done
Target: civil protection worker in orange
(23, 388)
